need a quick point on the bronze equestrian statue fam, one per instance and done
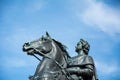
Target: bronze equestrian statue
(56, 63)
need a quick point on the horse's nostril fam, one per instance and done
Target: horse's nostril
(27, 43)
(25, 46)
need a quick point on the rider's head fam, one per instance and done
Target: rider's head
(82, 45)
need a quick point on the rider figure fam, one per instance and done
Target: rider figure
(81, 67)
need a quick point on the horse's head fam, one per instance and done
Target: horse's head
(42, 45)
(54, 53)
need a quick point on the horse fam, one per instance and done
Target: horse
(54, 61)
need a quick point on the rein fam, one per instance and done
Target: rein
(37, 57)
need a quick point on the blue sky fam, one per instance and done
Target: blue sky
(97, 21)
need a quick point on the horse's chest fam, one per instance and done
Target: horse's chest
(49, 69)
(49, 72)
(48, 65)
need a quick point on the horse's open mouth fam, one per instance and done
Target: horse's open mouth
(29, 51)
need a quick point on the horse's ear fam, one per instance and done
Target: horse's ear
(47, 34)
(42, 37)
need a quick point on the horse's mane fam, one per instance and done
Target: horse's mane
(63, 47)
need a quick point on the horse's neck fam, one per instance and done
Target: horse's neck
(58, 53)
(48, 64)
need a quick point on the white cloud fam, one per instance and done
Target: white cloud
(99, 15)
(34, 6)
(17, 37)
(13, 63)
(107, 68)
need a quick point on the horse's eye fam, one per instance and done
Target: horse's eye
(78, 44)
(44, 39)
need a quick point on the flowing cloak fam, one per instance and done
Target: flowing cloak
(82, 61)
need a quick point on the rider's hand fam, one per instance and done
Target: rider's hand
(73, 70)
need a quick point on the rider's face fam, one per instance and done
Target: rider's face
(79, 47)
